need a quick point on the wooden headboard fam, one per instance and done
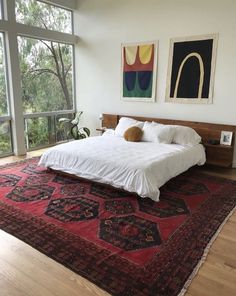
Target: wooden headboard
(220, 155)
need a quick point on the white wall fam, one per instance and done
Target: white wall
(104, 24)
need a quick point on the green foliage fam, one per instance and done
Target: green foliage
(79, 133)
(46, 74)
(5, 140)
(39, 14)
(42, 131)
(76, 132)
(5, 145)
(3, 98)
(46, 71)
(63, 128)
(46, 67)
(37, 132)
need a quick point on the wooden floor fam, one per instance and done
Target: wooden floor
(26, 272)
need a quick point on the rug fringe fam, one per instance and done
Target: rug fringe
(204, 256)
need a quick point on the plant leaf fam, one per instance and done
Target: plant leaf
(74, 132)
(64, 120)
(87, 131)
(77, 117)
(84, 131)
(82, 136)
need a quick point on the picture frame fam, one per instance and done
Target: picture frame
(191, 69)
(139, 71)
(226, 138)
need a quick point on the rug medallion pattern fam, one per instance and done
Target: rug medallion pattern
(127, 245)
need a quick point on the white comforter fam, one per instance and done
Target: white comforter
(141, 167)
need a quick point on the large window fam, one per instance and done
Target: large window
(46, 75)
(41, 74)
(46, 78)
(5, 125)
(3, 88)
(47, 16)
(0, 9)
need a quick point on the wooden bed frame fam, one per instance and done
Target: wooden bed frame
(219, 155)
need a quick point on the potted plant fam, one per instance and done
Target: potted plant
(76, 132)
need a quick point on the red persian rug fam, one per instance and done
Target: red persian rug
(126, 245)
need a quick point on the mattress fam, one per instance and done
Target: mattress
(140, 167)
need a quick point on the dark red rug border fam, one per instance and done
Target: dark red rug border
(51, 242)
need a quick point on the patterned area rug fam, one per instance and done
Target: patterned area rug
(126, 245)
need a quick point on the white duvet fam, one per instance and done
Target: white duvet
(141, 167)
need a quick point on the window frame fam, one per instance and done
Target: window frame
(55, 5)
(11, 30)
(68, 4)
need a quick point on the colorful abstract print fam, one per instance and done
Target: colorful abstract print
(138, 71)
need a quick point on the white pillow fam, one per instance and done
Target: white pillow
(125, 123)
(108, 132)
(185, 136)
(157, 133)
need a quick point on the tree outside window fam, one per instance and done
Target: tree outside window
(46, 71)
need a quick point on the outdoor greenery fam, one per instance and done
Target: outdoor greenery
(39, 14)
(46, 74)
(5, 138)
(3, 100)
(5, 141)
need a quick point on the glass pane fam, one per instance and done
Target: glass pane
(47, 130)
(39, 132)
(5, 138)
(47, 16)
(63, 128)
(0, 9)
(46, 75)
(3, 90)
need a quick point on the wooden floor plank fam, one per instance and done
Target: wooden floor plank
(26, 272)
(209, 286)
(26, 262)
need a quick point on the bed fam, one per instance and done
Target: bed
(140, 167)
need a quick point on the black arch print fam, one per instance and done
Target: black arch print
(191, 70)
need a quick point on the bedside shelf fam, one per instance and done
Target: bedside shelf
(101, 130)
(219, 163)
(219, 155)
(218, 146)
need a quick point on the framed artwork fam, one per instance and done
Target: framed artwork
(226, 138)
(138, 71)
(191, 69)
